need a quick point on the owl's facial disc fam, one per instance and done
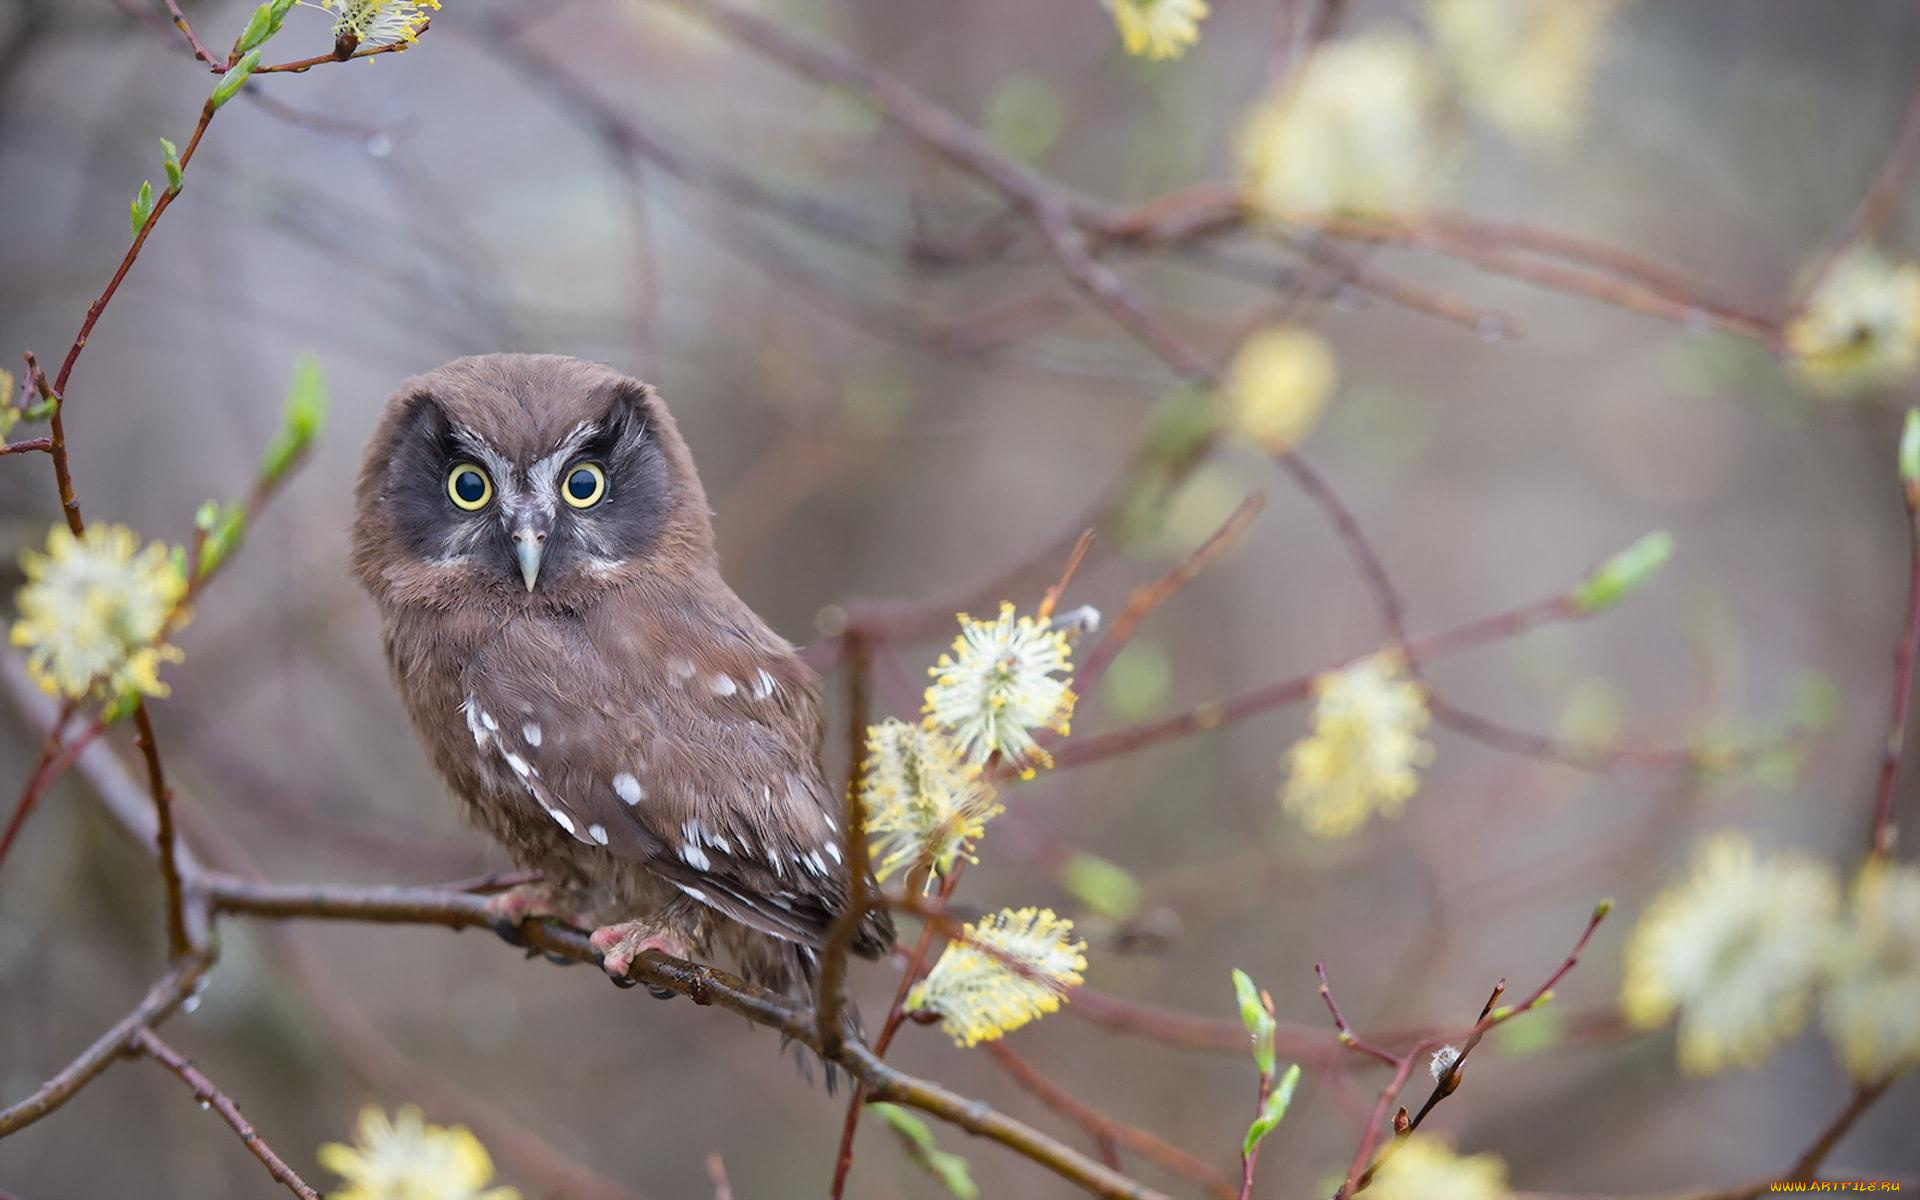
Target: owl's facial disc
(551, 515)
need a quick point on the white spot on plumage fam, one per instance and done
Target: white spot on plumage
(695, 857)
(531, 732)
(486, 718)
(472, 713)
(721, 844)
(561, 819)
(723, 685)
(521, 766)
(628, 789)
(695, 892)
(763, 685)
(816, 864)
(598, 833)
(833, 851)
(680, 669)
(828, 818)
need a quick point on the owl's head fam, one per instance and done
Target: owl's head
(525, 480)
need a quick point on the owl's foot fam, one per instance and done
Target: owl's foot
(507, 911)
(619, 945)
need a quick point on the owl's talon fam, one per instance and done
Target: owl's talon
(506, 930)
(509, 911)
(622, 982)
(621, 945)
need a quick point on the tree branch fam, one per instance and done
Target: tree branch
(146, 1041)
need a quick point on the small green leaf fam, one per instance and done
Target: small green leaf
(170, 154)
(306, 412)
(949, 1169)
(1107, 888)
(1623, 574)
(1910, 448)
(260, 27)
(1273, 1111)
(1259, 1022)
(225, 527)
(141, 211)
(233, 80)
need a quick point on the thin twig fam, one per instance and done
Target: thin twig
(829, 995)
(162, 998)
(45, 769)
(1880, 838)
(146, 1041)
(1146, 599)
(1360, 1171)
(1347, 1036)
(1104, 1128)
(1807, 1165)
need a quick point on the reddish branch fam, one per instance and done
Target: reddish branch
(1360, 1171)
(55, 755)
(1807, 1166)
(1348, 1037)
(1145, 600)
(145, 1041)
(1213, 715)
(1104, 1128)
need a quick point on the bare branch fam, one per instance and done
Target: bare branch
(146, 1041)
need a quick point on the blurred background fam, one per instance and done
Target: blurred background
(881, 414)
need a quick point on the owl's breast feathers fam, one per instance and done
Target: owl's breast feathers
(683, 737)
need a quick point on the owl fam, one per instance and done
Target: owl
(536, 539)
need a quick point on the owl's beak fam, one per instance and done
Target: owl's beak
(529, 545)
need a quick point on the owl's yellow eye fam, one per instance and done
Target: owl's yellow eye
(585, 484)
(468, 487)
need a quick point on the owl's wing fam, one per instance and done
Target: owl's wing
(708, 775)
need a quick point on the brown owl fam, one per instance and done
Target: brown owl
(537, 540)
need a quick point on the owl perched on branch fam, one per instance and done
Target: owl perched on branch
(537, 540)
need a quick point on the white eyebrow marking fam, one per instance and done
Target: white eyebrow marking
(543, 474)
